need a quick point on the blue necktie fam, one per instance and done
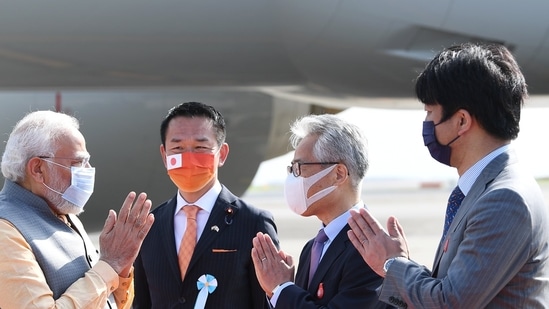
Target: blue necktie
(316, 252)
(453, 205)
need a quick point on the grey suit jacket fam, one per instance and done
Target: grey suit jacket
(497, 252)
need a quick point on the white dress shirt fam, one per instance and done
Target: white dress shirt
(206, 203)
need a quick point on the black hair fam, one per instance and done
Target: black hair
(483, 79)
(191, 110)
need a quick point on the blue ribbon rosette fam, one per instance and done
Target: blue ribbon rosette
(206, 284)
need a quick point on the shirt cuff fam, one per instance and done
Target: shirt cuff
(107, 273)
(277, 290)
(124, 294)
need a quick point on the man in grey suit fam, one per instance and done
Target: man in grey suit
(494, 253)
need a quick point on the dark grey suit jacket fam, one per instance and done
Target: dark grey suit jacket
(157, 276)
(346, 280)
(497, 255)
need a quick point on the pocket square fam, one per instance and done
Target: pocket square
(223, 250)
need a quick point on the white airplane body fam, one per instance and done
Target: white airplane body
(120, 65)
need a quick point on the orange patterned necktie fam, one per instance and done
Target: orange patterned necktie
(189, 239)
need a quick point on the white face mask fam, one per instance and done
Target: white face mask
(81, 188)
(296, 188)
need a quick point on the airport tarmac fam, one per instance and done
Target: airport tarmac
(419, 207)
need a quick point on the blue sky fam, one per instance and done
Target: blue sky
(397, 152)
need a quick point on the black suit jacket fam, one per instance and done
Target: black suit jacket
(342, 277)
(157, 276)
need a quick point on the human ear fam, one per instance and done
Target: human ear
(465, 121)
(34, 169)
(163, 154)
(223, 154)
(342, 173)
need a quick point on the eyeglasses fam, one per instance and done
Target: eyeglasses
(295, 167)
(76, 162)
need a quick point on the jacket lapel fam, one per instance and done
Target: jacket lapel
(216, 219)
(479, 187)
(302, 276)
(168, 230)
(336, 248)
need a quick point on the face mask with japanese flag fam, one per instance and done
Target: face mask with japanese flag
(190, 171)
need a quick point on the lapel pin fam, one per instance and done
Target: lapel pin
(320, 291)
(215, 228)
(229, 215)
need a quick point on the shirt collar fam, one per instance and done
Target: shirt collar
(468, 178)
(333, 228)
(205, 202)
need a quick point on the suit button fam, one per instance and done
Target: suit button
(397, 302)
(182, 300)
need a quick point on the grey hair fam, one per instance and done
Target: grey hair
(338, 141)
(34, 135)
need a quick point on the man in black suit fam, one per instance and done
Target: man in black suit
(220, 273)
(324, 180)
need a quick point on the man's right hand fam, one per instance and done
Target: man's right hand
(122, 237)
(272, 266)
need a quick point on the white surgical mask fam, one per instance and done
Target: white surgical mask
(296, 188)
(81, 188)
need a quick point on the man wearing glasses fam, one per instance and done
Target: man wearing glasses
(46, 258)
(324, 180)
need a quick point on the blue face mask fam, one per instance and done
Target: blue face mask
(439, 152)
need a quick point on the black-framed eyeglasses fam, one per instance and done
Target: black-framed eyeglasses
(295, 167)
